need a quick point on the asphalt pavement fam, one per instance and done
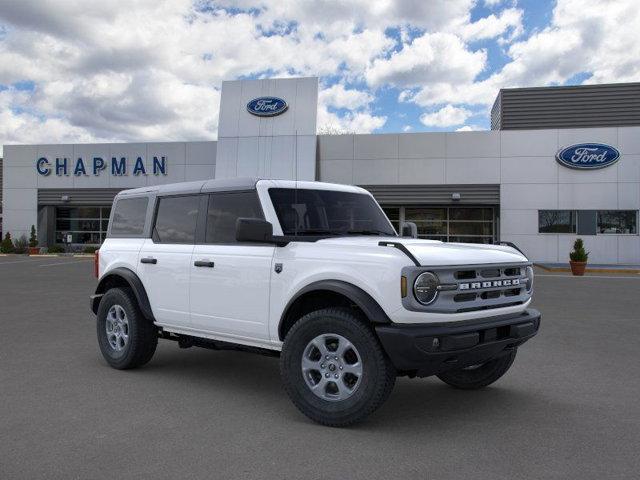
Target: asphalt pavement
(568, 408)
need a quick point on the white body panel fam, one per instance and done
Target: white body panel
(232, 298)
(167, 282)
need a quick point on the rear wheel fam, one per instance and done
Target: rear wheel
(126, 338)
(479, 376)
(334, 369)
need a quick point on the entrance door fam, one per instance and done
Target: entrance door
(165, 259)
(229, 279)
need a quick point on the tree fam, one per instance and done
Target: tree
(33, 238)
(7, 244)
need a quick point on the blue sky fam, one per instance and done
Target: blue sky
(77, 71)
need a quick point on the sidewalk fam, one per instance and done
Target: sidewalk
(591, 268)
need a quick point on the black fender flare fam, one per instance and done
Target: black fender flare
(132, 280)
(359, 297)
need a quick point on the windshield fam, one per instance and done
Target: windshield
(328, 212)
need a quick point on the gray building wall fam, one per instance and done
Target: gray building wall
(20, 184)
(283, 146)
(616, 105)
(522, 163)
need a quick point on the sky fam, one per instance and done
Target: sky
(77, 71)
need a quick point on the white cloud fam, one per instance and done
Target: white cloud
(407, 128)
(447, 116)
(509, 20)
(432, 57)
(338, 96)
(583, 37)
(469, 128)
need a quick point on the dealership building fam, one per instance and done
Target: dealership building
(559, 163)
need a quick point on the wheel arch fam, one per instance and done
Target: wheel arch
(325, 293)
(123, 277)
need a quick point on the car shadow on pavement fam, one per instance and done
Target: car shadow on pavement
(415, 404)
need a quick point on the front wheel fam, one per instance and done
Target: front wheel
(334, 369)
(479, 376)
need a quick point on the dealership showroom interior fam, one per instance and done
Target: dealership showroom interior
(331, 239)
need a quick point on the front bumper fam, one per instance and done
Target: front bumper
(425, 349)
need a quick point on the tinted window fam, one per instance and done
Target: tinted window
(618, 221)
(556, 221)
(224, 209)
(176, 219)
(319, 212)
(128, 216)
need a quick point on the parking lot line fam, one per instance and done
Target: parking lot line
(85, 260)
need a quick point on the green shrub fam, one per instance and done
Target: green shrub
(579, 254)
(7, 244)
(33, 238)
(20, 245)
(56, 249)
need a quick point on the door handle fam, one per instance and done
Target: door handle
(203, 263)
(149, 260)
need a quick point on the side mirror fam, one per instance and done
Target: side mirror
(254, 230)
(409, 229)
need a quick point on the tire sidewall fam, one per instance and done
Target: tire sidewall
(122, 297)
(346, 325)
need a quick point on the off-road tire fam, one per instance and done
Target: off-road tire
(143, 335)
(378, 377)
(485, 374)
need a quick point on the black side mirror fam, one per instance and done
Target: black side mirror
(409, 229)
(254, 230)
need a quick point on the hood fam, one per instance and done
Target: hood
(436, 253)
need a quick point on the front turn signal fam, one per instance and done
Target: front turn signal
(403, 286)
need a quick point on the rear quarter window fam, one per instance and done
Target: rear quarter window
(129, 217)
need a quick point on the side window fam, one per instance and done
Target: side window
(176, 219)
(224, 209)
(128, 216)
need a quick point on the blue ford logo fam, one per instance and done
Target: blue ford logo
(588, 156)
(267, 106)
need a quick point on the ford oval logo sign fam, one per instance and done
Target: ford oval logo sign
(267, 106)
(588, 156)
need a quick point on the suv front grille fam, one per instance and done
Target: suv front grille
(485, 287)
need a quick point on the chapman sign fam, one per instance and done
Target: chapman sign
(96, 165)
(588, 156)
(267, 106)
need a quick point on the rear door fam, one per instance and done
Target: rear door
(229, 279)
(165, 259)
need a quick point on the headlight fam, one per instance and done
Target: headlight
(425, 288)
(529, 274)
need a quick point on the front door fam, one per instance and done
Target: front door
(230, 280)
(164, 262)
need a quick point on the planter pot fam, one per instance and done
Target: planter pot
(34, 250)
(578, 268)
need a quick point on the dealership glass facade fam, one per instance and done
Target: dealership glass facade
(448, 224)
(86, 225)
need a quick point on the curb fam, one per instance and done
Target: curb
(590, 269)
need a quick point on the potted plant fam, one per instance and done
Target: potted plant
(578, 258)
(7, 244)
(33, 242)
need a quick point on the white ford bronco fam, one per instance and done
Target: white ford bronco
(313, 273)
